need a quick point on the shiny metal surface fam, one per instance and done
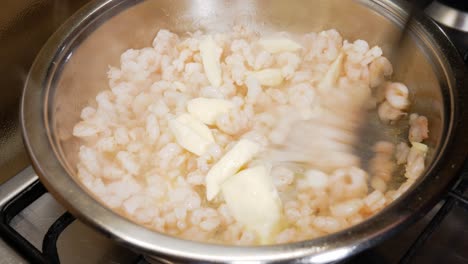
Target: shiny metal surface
(16, 185)
(8, 190)
(448, 16)
(33, 222)
(25, 25)
(80, 244)
(64, 77)
(9, 256)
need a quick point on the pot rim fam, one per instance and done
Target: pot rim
(396, 216)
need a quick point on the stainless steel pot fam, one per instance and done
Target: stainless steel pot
(71, 68)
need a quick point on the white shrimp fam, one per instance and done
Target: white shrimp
(327, 224)
(384, 147)
(286, 235)
(388, 113)
(378, 184)
(415, 161)
(282, 176)
(375, 201)
(378, 70)
(382, 165)
(348, 183)
(401, 153)
(418, 128)
(397, 95)
(207, 218)
(346, 208)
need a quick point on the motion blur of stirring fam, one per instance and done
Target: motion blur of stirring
(346, 125)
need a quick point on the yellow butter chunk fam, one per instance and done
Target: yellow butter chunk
(275, 45)
(423, 148)
(415, 160)
(228, 165)
(191, 134)
(332, 74)
(269, 77)
(253, 201)
(210, 53)
(208, 109)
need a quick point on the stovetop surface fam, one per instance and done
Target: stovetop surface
(439, 237)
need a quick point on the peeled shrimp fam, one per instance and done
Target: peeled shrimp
(378, 70)
(348, 183)
(397, 95)
(401, 153)
(415, 161)
(388, 113)
(418, 128)
(382, 165)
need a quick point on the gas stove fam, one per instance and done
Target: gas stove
(35, 228)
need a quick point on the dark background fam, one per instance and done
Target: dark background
(25, 25)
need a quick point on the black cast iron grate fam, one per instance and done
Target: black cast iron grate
(49, 254)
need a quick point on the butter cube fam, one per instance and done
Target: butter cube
(332, 74)
(228, 165)
(269, 77)
(208, 109)
(423, 148)
(191, 134)
(275, 45)
(253, 201)
(211, 53)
